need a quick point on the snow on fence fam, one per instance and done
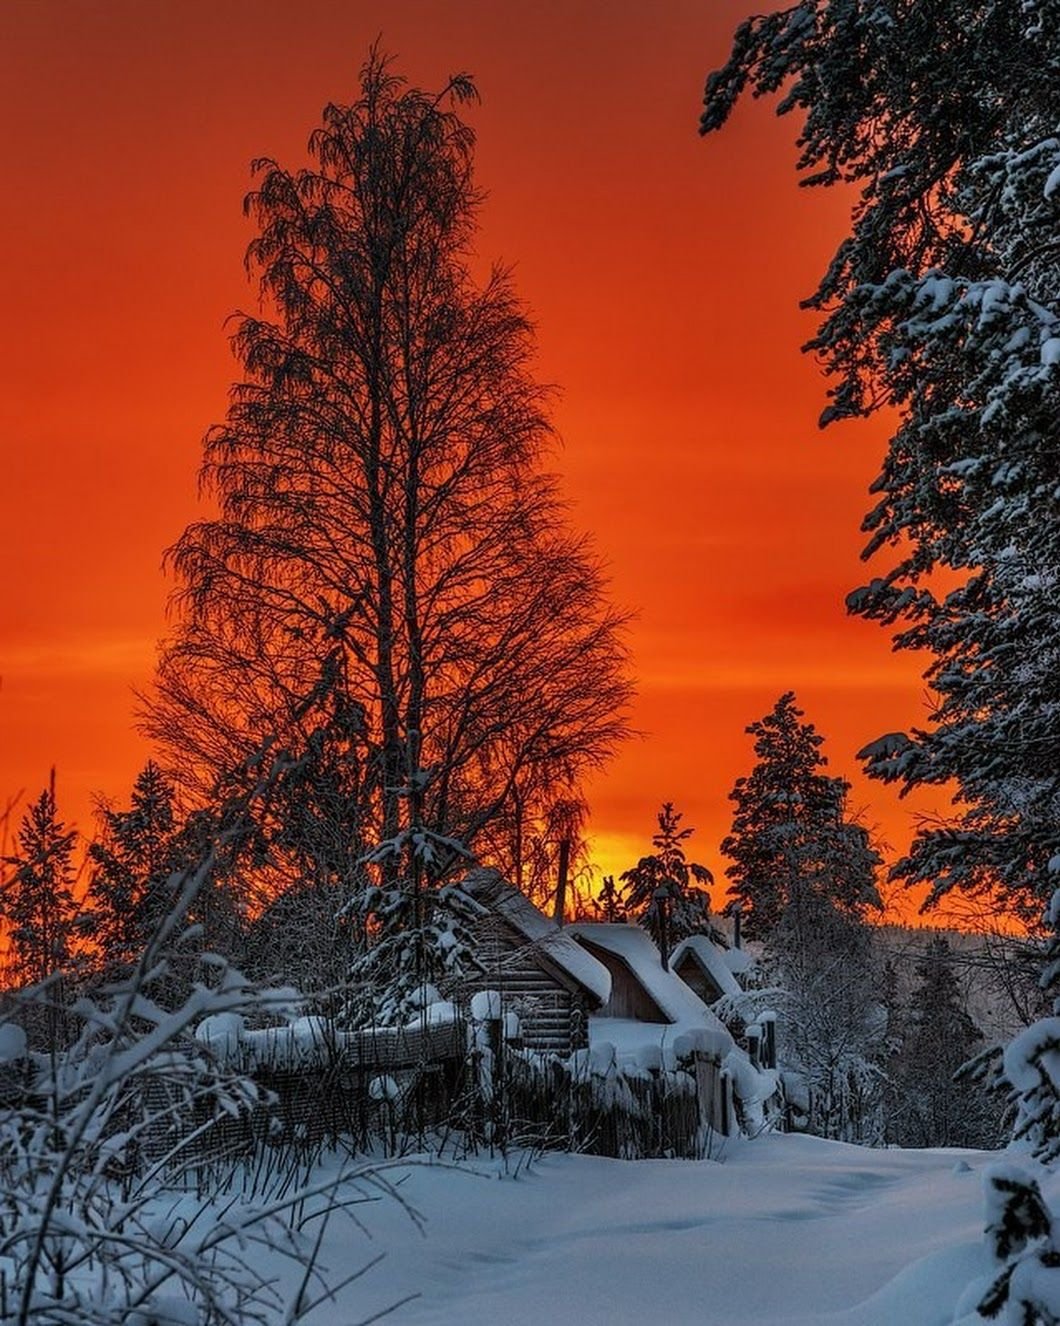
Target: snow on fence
(678, 1105)
(444, 1076)
(392, 1088)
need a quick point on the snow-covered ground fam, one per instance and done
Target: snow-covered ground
(786, 1230)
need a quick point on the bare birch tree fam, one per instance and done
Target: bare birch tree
(387, 539)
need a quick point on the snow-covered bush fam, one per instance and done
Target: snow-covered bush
(1022, 1239)
(1030, 1067)
(1031, 1071)
(108, 1215)
(1021, 1229)
(830, 1021)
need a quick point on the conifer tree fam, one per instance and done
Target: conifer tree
(417, 937)
(941, 1038)
(943, 303)
(1026, 1073)
(139, 864)
(890, 1050)
(1021, 1235)
(611, 904)
(132, 861)
(803, 873)
(792, 840)
(43, 920)
(37, 901)
(665, 891)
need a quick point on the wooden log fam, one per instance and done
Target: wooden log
(768, 1020)
(707, 1069)
(495, 1041)
(727, 1126)
(753, 1035)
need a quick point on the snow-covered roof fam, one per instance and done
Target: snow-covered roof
(489, 890)
(678, 1003)
(687, 1013)
(711, 959)
(738, 960)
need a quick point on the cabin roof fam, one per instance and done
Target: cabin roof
(711, 959)
(678, 1003)
(489, 891)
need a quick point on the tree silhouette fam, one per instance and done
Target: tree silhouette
(390, 586)
(37, 900)
(611, 904)
(664, 890)
(131, 863)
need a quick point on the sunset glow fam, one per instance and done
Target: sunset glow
(664, 273)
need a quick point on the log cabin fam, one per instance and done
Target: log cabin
(548, 980)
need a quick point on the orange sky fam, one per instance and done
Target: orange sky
(664, 273)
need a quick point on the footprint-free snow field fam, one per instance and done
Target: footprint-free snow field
(786, 1230)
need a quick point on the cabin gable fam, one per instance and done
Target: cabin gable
(629, 998)
(697, 979)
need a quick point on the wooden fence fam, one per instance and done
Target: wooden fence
(398, 1090)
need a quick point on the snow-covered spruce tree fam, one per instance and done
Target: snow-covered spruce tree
(792, 840)
(803, 873)
(665, 891)
(939, 1109)
(943, 303)
(1029, 1072)
(1021, 1227)
(417, 941)
(383, 509)
(1025, 1246)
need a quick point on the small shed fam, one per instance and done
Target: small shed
(703, 967)
(541, 973)
(643, 991)
(650, 1005)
